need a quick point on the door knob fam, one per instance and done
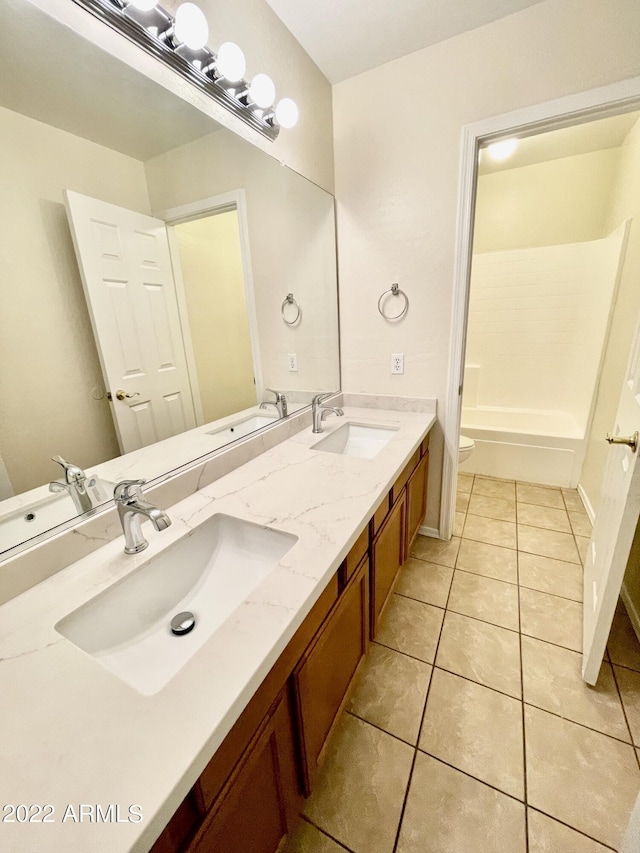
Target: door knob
(122, 395)
(630, 440)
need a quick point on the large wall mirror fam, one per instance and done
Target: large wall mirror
(147, 256)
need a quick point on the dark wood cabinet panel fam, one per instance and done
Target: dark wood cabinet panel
(258, 806)
(322, 677)
(417, 499)
(387, 555)
(181, 826)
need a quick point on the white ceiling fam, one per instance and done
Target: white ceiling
(565, 142)
(347, 37)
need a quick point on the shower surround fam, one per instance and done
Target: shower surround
(538, 321)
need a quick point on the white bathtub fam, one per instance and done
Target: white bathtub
(519, 444)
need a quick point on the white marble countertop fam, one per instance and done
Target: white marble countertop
(73, 733)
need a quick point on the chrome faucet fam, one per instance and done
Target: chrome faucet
(280, 403)
(132, 508)
(75, 484)
(320, 412)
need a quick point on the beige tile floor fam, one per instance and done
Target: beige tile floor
(470, 728)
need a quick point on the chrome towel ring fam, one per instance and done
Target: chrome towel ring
(394, 290)
(289, 300)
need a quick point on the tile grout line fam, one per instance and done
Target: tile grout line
(424, 711)
(578, 831)
(497, 690)
(493, 624)
(624, 712)
(325, 833)
(492, 545)
(522, 706)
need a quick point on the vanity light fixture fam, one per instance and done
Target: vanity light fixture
(191, 26)
(230, 62)
(262, 92)
(144, 5)
(286, 112)
(181, 43)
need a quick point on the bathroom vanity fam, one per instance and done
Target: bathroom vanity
(221, 756)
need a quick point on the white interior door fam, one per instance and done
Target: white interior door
(616, 520)
(128, 281)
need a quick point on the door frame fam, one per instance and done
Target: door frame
(232, 200)
(598, 103)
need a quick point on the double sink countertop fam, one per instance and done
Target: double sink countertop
(74, 737)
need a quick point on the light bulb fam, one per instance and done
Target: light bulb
(144, 5)
(503, 149)
(262, 91)
(230, 62)
(191, 26)
(286, 112)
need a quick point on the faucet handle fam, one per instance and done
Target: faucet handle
(279, 394)
(126, 490)
(72, 473)
(322, 396)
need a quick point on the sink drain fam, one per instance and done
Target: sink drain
(182, 623)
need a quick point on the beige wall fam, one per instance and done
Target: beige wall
(560, 201)
(291, 243)
(625, 204)
(397, 133)
(48, 360)
(211, 266)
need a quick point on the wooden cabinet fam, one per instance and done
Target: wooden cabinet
(387, 555)
(321, 679)
(258, 806)
(416, 499)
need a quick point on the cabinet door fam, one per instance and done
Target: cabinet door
(417, 499)
(322, 677)
(387, 555)
(258, 806)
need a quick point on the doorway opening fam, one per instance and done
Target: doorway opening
(212, 298)
(599, 596)
(551, 225)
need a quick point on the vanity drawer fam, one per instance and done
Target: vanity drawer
(424, 447)
(380, 514)
(355, 557)
(407, 471)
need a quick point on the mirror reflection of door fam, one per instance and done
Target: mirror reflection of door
(173, 355)
(209, 268)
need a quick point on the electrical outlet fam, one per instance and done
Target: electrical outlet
(397, 362)
(292, 362)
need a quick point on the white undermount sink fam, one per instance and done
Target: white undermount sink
(363, 440)
(242, 428)
(47, 512)
(208, 573)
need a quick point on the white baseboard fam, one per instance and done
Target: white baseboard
(429, 531)
(632, 610)
(587, 504)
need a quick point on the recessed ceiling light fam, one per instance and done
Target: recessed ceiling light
(502, 149)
